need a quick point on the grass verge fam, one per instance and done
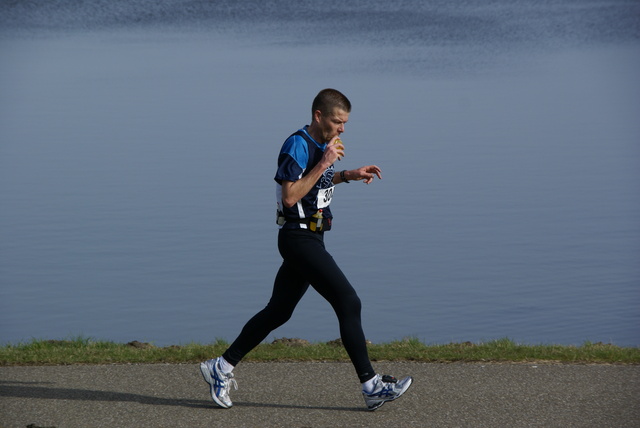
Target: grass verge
(88, 351)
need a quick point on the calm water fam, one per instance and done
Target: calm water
(138, 142)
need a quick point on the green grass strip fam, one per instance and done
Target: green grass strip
(87, 351)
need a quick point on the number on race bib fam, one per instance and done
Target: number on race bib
(325, 196)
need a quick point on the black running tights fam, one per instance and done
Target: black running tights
(306, 261)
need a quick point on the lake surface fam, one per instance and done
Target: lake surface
(138, 144)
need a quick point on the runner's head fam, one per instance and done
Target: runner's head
(330, 112)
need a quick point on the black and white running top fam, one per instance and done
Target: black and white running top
(299, 154)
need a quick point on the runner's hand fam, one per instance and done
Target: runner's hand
(334, 150)
(366, 173)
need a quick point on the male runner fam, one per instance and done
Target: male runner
(305, 183)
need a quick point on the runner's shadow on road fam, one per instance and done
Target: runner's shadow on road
(23, 390)
(29, 390)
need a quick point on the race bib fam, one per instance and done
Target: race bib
(324, 197)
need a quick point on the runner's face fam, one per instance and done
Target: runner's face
(332, 125)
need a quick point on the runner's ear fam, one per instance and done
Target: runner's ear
(317, 115)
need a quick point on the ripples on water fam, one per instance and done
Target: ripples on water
(139, 141)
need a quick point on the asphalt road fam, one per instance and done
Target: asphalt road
(322, 395)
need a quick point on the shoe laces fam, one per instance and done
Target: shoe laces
(229, 381)
(385, 386)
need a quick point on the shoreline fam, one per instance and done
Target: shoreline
(88, 351)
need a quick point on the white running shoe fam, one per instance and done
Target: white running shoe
(387, 388)
(219, 382)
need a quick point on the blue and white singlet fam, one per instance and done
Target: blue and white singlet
(299, 154)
